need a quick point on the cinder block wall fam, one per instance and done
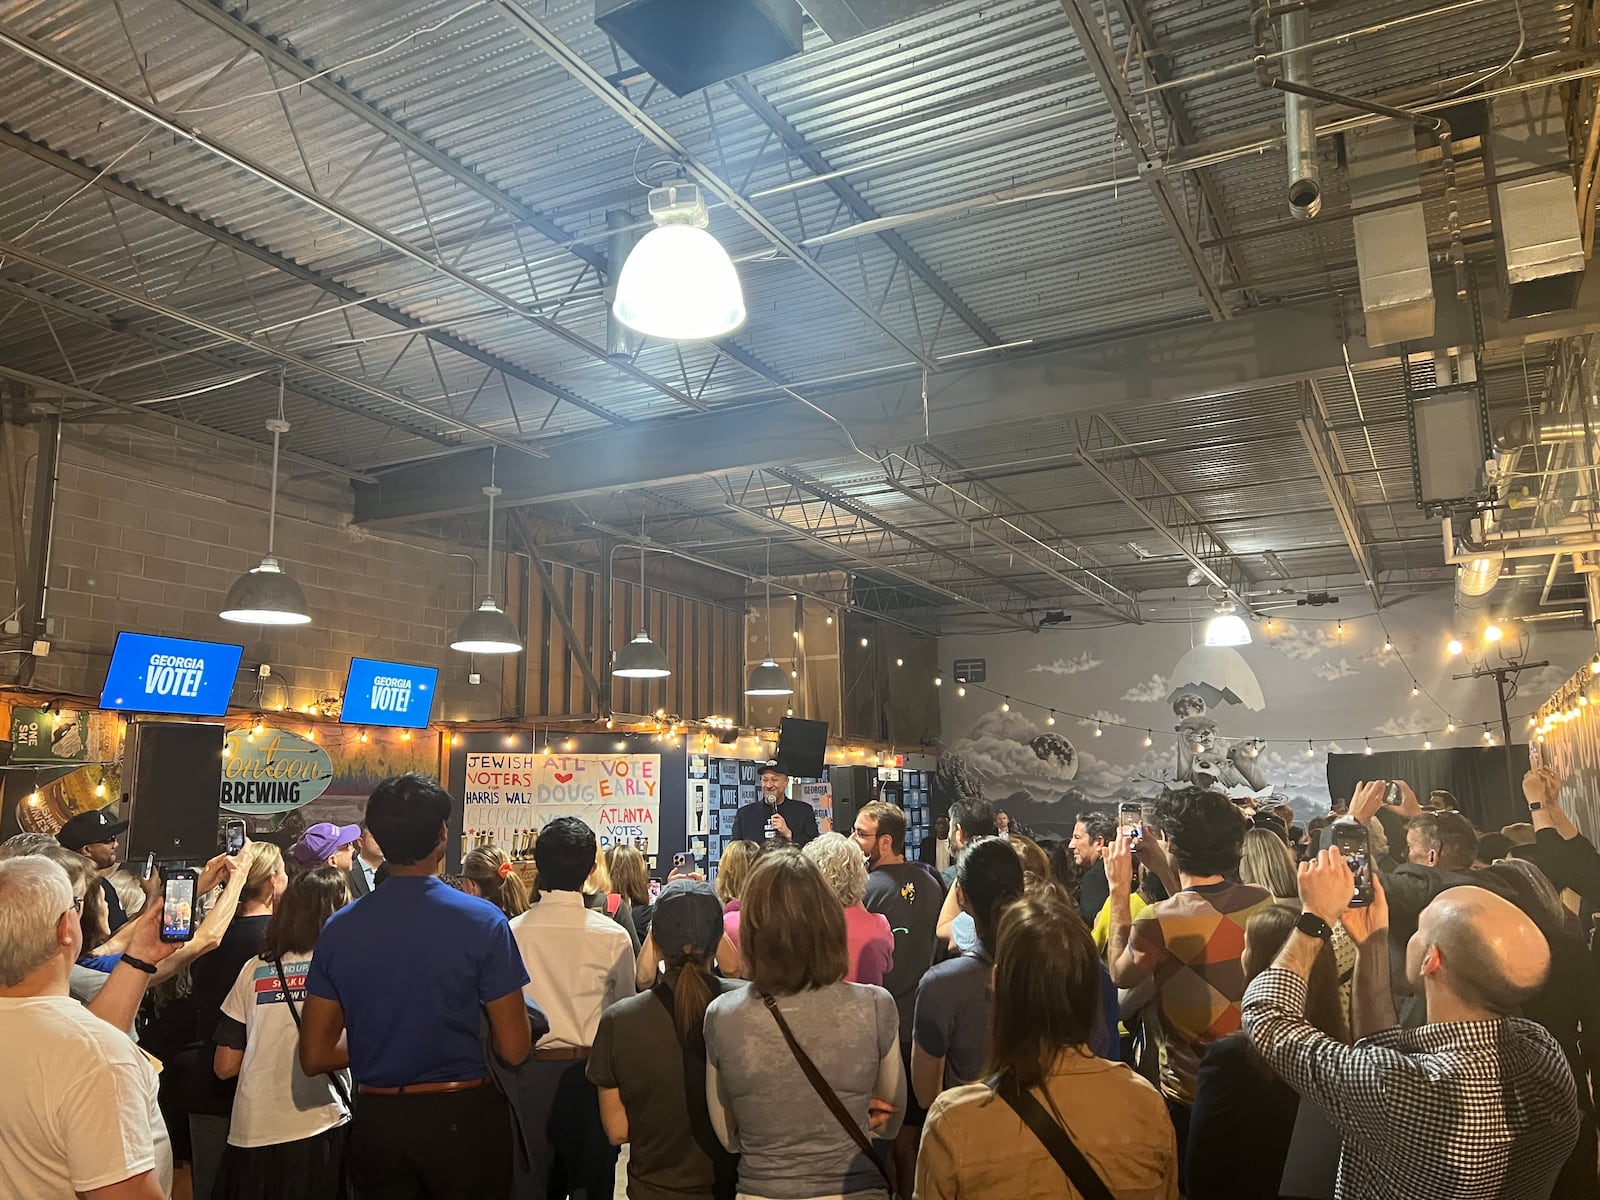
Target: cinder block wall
(151, 531)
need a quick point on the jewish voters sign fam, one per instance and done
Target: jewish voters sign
(272, 772)
(616, 795)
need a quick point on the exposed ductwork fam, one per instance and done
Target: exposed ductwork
(1391, 242)
(1300, 117)
(1477, 576)
(621, 341)
(1534, 204)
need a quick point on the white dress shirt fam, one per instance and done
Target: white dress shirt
(579, 963)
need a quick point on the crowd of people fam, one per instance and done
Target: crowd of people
(1208, 1002)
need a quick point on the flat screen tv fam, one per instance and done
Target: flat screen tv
(152, 674)
(388, 693)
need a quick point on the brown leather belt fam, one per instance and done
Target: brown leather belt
(561, 1054)
(422, 1089)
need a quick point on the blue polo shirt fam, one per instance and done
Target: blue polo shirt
(412, 963)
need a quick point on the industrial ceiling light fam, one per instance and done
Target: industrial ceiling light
(641, 658)
(769, 679)
(264, 595)
(1227, 628)
(678, 284)
(487, 629)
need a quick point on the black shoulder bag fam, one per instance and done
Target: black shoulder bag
(829, 1097)
(294, 1011)
(1055, 1139)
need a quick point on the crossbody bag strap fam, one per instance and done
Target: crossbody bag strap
(294, 1011)
(829, 1097)
(1056, 1140)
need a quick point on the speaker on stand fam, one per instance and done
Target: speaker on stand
(173, 773)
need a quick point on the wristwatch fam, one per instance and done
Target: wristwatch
(1314, 926)
(1534, 806)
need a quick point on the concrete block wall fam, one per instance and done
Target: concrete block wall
(151, 532)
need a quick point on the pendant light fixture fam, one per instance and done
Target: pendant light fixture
(487, 629)
(264, 595)
(641, 658)
(678, 284)
(769, 679)
(1227, 628)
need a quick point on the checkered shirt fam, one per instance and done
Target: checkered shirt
(1470, 1110)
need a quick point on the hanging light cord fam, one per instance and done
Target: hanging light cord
(644, 606)
(769, 601)
(278, 427)
(491, 491)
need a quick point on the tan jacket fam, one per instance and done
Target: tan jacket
(975, 1147)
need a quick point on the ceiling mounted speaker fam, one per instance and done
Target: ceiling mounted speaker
(691, 44)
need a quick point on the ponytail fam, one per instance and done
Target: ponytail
(496, 878)
(692, 993)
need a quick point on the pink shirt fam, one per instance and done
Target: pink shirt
(730, 921)
(871, 945)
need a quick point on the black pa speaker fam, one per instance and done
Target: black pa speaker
(173, 773)
(802, 748)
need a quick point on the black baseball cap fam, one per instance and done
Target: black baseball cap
(86, 829)
(771, 765)
(688, 916)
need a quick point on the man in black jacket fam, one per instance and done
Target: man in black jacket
(793, 820)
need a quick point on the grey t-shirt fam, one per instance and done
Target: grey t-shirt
(636, 1051)
(792, 1147)
(954, 1008)
(909, 897)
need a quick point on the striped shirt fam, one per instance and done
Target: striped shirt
(1471, 1110)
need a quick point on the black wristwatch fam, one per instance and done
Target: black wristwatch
(1314, 926)
(1534, 806)
(139, 964)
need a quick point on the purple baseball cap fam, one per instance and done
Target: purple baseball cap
(321, 841)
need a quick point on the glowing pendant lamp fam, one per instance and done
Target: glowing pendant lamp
(487, 629)
(678, 283)
(264, 595)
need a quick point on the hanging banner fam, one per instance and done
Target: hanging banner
(616, 795)
(819, 794)
(272, 772)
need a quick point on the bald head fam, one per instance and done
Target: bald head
(1481, 948)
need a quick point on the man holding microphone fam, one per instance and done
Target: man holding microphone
(793, 820)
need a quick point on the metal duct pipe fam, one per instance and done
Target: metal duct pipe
(1300, 118)
(1525, 430)
(1478, 576)
(620, 340)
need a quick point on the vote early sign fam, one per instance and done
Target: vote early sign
(616, 795)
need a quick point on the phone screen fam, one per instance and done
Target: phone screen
(149, 865)
(655, 890)
(177, 907)
(1391, 793)
(1356, 845)
(1130, 820)
(233, 837)
(1535, 754)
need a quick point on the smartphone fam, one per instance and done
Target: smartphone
(149, 865)
(1355, 843)
(1391, 793)
(233, 837)
(1535, 754)
(682, 862)
(177, 905)
(1130, 820)
(655, 890)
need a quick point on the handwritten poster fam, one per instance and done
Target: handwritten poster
(616, 795)
(819, 794)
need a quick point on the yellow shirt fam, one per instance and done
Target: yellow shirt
(975, 1146)
(1102, 923)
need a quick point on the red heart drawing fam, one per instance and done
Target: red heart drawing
(560, 778)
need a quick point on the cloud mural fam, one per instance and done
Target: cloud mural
(1067, 666)
(1102, 716)
(1303, 643)
(1331, 672)
(1151, 691)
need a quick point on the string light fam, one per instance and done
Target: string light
(1051, 719)
(1453, 646)
(830, 618)
(864, 643)
(455, 739)
(1005, 705)
(1311, 751)
(1339, 629)
(311, 735)
(938, 681)
(1368, 747)
(363, 737)
(1097, 730)
(569, 746)
(1271, 625)
(611, 723)
(1387, 645)
(100, 788)
(961, 691)
(1492, 633)
(1487, 736)
(899, 662)
(510, 739)
(1594, 665)
(1426, 744)
(1147, 738)
(406, 736)
(1414, 688)
(621, 746)
(1450, 727)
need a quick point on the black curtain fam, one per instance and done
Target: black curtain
(1475, 775)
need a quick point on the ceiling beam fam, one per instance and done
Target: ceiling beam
(795, 142)
(1166, 190)
(1259, 348)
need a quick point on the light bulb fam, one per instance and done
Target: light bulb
(311, 735)
(899, 662)
(938, 681)
(1387, 645)
(227, 750)
(1368, 749)
(1005, 705)
(678, 284)
(33, 797)
(1492, 633)
(1310, 750)
(1339, 628)
(961, 691)
(1097, 730)
(796, 635)
(455, 739)
(1051, 719)
(1594, 665)
(830, 619)
(1532, 721)
(1450, 727)
(1454, 646)
(1271, 625)
(569, 745)
(510, 739)
(1147, 738)
(259, 727)
(99, 789)
(611, 723)
(1426, 744)
(1487, 736)
(621, 746)
(788, 712)
(1413, 689)
(406, 736)
(863, 643)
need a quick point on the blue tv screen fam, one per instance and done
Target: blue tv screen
(170, 675)
(388, 693)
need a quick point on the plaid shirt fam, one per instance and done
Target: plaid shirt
(1475, 1109)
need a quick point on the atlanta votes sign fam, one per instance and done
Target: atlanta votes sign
(616, 795)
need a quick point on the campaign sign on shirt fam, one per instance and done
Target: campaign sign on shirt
(388, 693)
(170, 675)
(272, 772)
(616, 795)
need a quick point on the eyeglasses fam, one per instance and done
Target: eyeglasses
(77, 905)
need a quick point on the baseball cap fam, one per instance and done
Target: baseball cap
(88, 828)
(688, 915)
(321, 840)
(771, 765)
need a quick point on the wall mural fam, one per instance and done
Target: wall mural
(1152, 706)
